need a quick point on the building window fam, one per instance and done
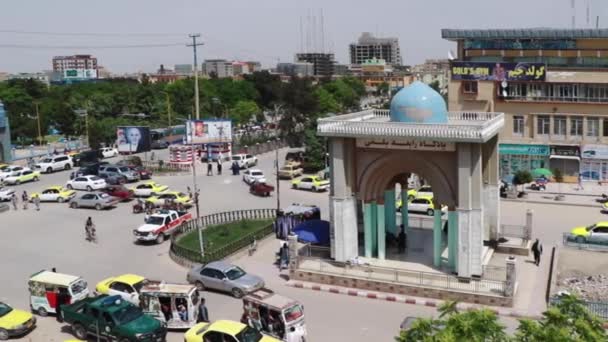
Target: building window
(518, 125)
(593, 127)
(559, 125)
(543, 125)
(576, 126)
(605, 128)
(469, 87)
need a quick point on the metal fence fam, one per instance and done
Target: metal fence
(580, 242)
(600, 309)
(315, 251)
(490, 272)
(162, 166)
(259, 148)
(406, 277)
(220, 252)
(515, 231)
(422, 222)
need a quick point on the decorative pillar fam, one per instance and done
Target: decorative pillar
(404, 211)
(292, 244)
(452, 238)
(511, 277)
(529, 224)
(367, 229)
(437, 235)
(374, 235)
(381, 232)
(390, 212)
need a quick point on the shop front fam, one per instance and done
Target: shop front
(515, 157)
(567, 159)
(594, 163)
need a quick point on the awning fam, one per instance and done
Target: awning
(565, 157)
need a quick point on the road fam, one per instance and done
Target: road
(54, 237)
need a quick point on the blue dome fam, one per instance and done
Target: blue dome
(418, 103)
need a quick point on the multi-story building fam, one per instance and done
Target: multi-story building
(76, 62)
(43, 77)
(552, 85)
(183, 69)
(218, 67)
(374, 72)
(323, 63)
(434, 70)
(254, 66)
(368, 47)
(300, 69)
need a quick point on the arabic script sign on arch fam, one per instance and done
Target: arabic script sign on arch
(411, 144)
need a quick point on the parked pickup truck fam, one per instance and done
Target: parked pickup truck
(290, 171)
(113, 319)
(160, 225)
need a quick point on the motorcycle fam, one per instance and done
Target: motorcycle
(139, 207)
(603, 199)
(90, 234)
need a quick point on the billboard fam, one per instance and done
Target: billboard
(208, 131)
(79, 73)
(481, 71)
(133, 139)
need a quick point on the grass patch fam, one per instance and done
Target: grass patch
(221, 235)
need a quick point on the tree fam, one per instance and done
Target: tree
(315, 151)
(522, 177)
(568, 320)
(244, 111)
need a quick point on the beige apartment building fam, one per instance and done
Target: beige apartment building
(552, 85)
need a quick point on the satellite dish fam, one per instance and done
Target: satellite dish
(503, 84)
(451, 55)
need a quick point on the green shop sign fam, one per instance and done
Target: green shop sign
(530, 150)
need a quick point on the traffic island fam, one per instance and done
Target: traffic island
(223, 234)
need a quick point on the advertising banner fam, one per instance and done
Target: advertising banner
(563, 150)
(516, 149)
(208, 131)
(595, 152)
(79, 73)
(133, 139)
(481, 71)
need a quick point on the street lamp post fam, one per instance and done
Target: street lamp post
(85, 113)
(39, 130)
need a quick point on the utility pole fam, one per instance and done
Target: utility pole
(276, 156)
(39, 130)
(194, 45)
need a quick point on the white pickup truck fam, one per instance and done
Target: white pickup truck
(160, 225)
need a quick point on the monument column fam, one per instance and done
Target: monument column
(491, 188)
(390, 212)
(452, 237)
(477, 220)
(343, 206)
(404, 210)
(437, 236)
(381, 231)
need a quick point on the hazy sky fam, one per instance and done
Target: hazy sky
(264, 30)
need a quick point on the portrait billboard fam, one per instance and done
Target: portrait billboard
(482, 71)
(133, 139)
(208, 131)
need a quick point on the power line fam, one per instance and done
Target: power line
(132, 46)
(94, 34)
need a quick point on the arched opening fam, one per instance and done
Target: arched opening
(406, 197)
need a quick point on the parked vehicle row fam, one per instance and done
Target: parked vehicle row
(130, 307)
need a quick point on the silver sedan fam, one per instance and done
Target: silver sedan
(224, 277)
(97, 200)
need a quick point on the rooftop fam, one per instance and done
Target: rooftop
(476, 127)
(524, 33)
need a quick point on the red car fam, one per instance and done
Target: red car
(119, 191)
(143, 173)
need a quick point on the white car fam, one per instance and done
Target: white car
(252, 175)
(245, 161)
(55, 163)
(423, 205)
(9, 170)
(425, 191)
(109, 152)
(6, 194)
(88, 183)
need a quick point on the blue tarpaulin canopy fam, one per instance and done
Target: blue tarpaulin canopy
(313, 231)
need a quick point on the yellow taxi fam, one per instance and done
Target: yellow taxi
(14, 322)
(147, 189)
(172, 196)
(597, 232)
(54, 193)
(313, 183)
(127, 286)
(224, 330)
(411, 194)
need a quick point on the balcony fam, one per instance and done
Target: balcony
(475, 127)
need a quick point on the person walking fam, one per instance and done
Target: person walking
(203, 313)
(209, 169)
(537, 250)
(89, 229)
(25, 199)
(36, 200)
(15, 201)
(219, 166)
(580, 182)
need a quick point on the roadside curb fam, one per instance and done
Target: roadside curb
(390, 297)
(554, 203)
